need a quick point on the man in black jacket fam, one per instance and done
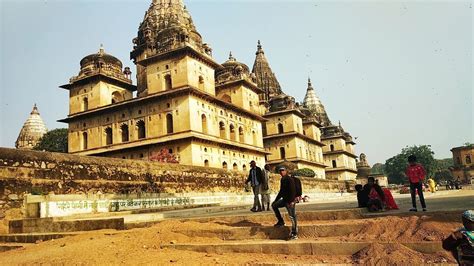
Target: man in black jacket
(286, 198)
(256, 179)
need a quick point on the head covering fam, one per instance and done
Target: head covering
(469, 215)
(281, 168)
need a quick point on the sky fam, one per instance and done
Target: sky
(394, 73)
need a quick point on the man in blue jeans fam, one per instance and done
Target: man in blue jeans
(285, 198)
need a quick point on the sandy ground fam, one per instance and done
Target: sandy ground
(143, 246)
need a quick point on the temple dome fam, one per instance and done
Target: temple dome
(32, 131)
(314, 104)
(100, 57)
(232, 70)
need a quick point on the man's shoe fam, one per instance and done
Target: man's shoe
(253, 210)
(413, 210)
(279, 224)
(424, 209)
(293, 237)
(259, 210)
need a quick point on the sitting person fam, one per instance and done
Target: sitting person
(362, 196)
(461, 242)
(376, 195)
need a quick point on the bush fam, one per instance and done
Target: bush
(306, 172)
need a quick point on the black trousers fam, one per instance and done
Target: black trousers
(413, 188)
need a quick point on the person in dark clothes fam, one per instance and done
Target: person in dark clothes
(362, 196)
(256, 180)
(375, 195)
(286, 198)
(461, 242)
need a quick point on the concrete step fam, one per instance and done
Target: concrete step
(269, 232)
(45, 225)
(268, 217)
(296, 247)
(32, 237)
(10, 246)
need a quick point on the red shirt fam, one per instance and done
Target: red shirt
(416, 173)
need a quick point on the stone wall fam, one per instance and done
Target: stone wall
(23, 172)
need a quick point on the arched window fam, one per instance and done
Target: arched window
(232, 132)
(226, 98)
(280, 128)
(224, 165)
(234, 167)
(282, 153)
(254, 135)
(168, 82)
(334, 165)
(169, 123)
(116, 97)
(332, 147)
(222, 130)
(85, 104)
(204, 123)
(108, 136)
(84, 140)
(241, 134)
(141, 129)
(244, 168)
(125, 134)
(468, 159)
(206, 163)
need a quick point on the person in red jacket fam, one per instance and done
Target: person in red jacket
(416, 174)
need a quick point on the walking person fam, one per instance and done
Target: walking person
(286, 198)
(256, 179)
(416, 174)
(265, 188)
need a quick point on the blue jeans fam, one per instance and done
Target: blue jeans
(291, 212)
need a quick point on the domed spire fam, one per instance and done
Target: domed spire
(265, 77)
(32, 131)
(167, 25)
(231, 58)
(313, 103)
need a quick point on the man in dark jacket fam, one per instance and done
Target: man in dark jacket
(286, 198)
(256, 179)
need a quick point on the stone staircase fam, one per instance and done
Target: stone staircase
(28, 231)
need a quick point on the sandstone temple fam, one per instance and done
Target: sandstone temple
(32, 131)
(206, 113)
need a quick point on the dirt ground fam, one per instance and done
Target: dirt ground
(144, 245)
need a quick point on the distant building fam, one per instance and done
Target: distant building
(32, 131)
(463, 163)
(210, 114)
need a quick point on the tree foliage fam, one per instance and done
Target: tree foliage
(53, 141)
(378, 168)
(395, 166)
(442, 171)
(306, 172)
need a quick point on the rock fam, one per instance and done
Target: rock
(13, 197)
(51, 165)
(27, 164)
(145, 247)
(173, 261)
(172, 242)
(429, 238)
(43, 165)
(16, 164)
(63, 245)
(38, 241)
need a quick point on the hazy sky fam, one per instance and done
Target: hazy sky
(394, 73)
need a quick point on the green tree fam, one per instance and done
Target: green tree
(442, 171)
(395, 166)
(378, 168)
(53, 141)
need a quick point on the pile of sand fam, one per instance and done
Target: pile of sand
(408, 229)
(397, 254)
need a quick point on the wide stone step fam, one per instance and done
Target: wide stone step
(268, 217)
(32, 237)
(10, 246)
(296, 247)
(270, 232)
(45, 225)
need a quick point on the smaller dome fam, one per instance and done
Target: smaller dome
(232, 70)
(99, 57)
(32, 131)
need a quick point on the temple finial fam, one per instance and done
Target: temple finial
(101, 49)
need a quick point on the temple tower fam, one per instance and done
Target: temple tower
(32, 131)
